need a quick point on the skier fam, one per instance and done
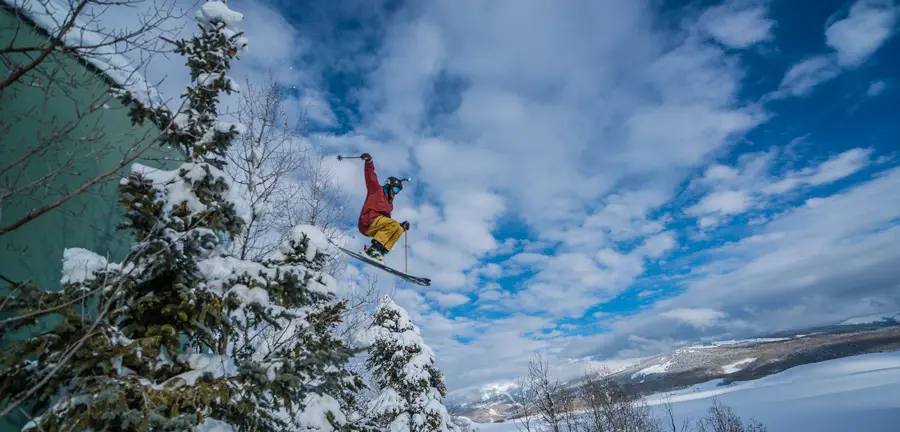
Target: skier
(375, 217)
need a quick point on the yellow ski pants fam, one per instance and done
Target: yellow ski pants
(386, 230)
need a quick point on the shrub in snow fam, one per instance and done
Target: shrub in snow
(402, 365)
(721, 418)
(182, 336)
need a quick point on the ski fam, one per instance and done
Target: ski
(409, 278)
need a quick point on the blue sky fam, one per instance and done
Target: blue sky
(607, 180)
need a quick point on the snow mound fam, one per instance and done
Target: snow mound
(654, 369)
(213, 425)
(249, 296)
(317, 239)
(738, 365)
(177, 186)
(217, 11)
(221, 271)
(316, 412)
(80, 264)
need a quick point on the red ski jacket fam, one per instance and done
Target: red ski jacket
(377, 203)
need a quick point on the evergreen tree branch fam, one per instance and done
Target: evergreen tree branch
(65, 358)
(50, 309)
(18, 287)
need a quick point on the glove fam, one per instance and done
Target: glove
(405, 225)
(366, 157)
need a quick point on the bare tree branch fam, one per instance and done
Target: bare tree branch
(546, 391)
(524, 406)
(54, 127)
(263, 164)
(54, 42)
(285, 178)
(81, 189)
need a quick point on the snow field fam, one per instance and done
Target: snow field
(859, 393)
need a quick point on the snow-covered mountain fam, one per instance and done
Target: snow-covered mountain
(857, 393)
(728, 361)
(488, 403)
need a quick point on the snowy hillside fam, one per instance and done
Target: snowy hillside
(859, 393)
(750, 359)
(728, 360)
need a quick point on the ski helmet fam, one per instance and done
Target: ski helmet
(394, 182)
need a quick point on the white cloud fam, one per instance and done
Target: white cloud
(802, 77)
(813, 265)
(698, 317)
(449, 299)
(412, 301)
(720, 172)
(492, 270)
(876, 88)
(568, 283)
(841, 166)
(313, 107)
(499, 351)
(725, 202)
(751, 185)
(491, 294)
(833, 169)
(619, 217)
(841, 228)
(865, 29)
(656, 246)
(853, 39)
(738, 24)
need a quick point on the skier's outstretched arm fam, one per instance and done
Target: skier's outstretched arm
(372, 184)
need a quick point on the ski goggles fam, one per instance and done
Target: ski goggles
(395, 189)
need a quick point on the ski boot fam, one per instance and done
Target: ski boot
(375, 251)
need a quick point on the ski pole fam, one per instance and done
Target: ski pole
(340, 158)
(406, 250)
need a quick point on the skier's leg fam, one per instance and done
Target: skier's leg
(385, 231)
(392, 233)
(376, 249)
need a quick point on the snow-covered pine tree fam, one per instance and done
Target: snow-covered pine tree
(402, 365)
(168, 339)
